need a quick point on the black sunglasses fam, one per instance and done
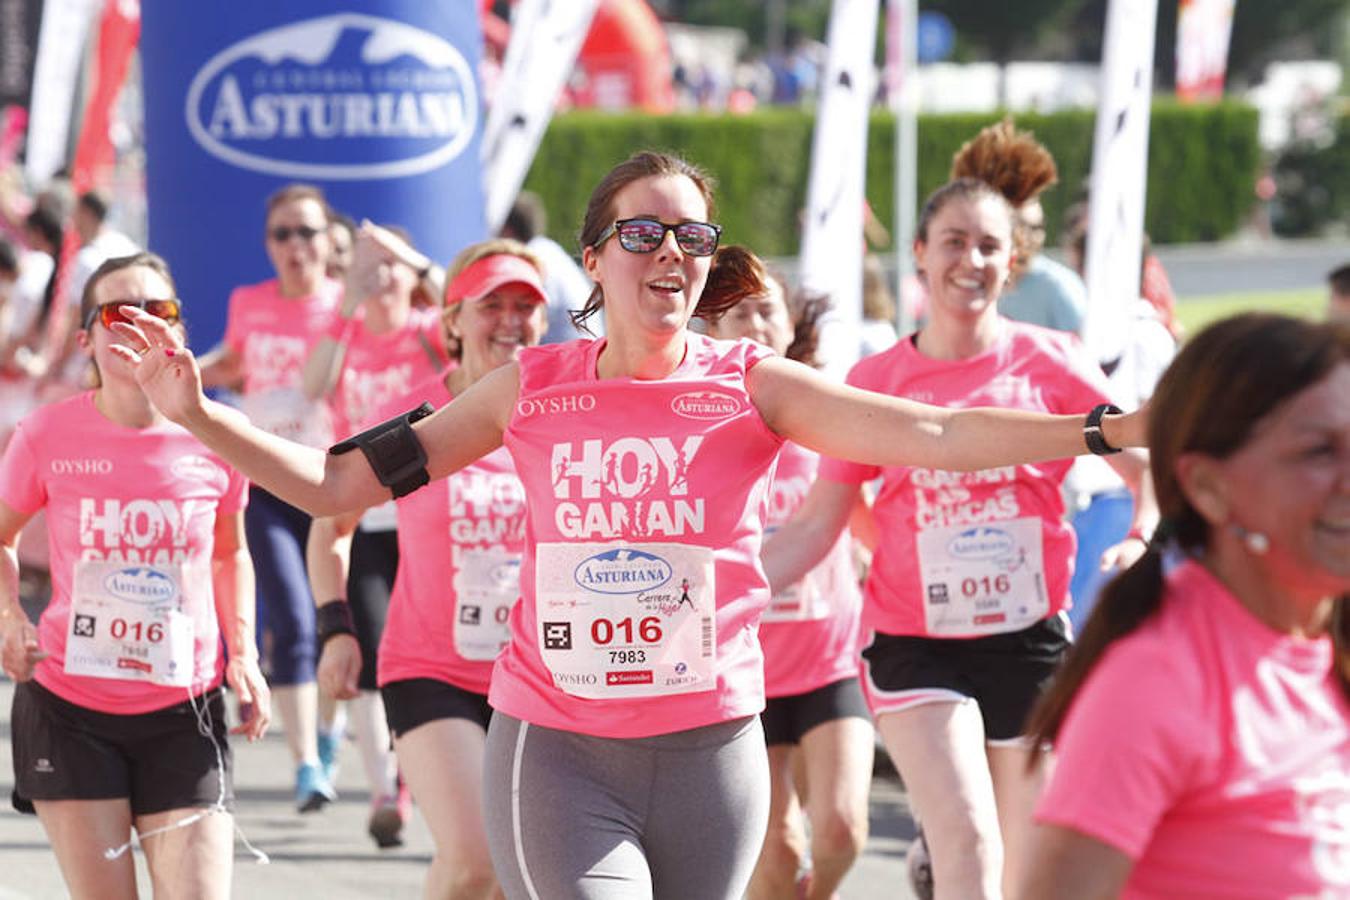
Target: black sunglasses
(645, 235)
(282, 233)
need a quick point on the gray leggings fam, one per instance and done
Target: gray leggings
(674, 816)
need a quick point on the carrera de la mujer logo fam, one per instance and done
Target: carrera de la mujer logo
(346, 96)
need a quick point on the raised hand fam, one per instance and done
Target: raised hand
(165, 368)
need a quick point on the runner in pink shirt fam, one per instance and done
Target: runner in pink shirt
(118, 720)
(448, 612)
(971, 573)
(270, 330)
(809, 633)
(1202, 725)
(378, 347)
(624, 753)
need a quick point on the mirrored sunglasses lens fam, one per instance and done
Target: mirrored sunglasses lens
(167, 310)
(110, 313)
(641, 236)
(696, 238)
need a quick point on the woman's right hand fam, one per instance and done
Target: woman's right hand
(19, 650)
(165, 368)
(340, 666)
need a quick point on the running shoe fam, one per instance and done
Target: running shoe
(312, 790)
(920, 868)
(328, 754)
(388, 815)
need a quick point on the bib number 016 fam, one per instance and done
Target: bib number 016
(121, 629)
(647, 629)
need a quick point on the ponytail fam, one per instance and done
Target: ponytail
(1125, 603)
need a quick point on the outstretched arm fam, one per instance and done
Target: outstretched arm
(864, 426)
(318, 482)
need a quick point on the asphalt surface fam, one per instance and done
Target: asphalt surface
(328, 853)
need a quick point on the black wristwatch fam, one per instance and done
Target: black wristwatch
(1092, 429)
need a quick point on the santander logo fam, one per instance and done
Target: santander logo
(705, 405)
(371, 97)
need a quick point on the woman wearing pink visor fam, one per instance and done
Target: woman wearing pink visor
(448, 609)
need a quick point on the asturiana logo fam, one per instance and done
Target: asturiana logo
(705, 405)
(141, 585)
(622, 571)
(371, 97)
(981, 542)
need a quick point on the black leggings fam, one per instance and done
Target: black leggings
(370, 578)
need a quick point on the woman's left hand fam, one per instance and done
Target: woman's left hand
(255, 698)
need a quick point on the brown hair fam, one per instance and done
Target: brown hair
(293, 192)
(600, 212)
(1225, 380)
(970, 189)
(737, 273)
(468, 256)
(144, 259)
(1016, 164)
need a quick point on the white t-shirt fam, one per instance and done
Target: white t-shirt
(567, 288)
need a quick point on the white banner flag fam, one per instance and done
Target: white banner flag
(832, 237)
(62, 39)
(545, 38)
(1119, 174)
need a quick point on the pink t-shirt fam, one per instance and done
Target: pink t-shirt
(641, 581)
(1213, 751)
(811, 631)
(378, 368)
(459, 541)
(274, 336)
(147, 498)
(966, 554)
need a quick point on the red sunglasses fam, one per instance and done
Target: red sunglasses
(169, 310)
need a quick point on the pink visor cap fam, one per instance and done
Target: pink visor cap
(490, 273)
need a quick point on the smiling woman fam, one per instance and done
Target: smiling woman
(1202, 723)
(604, 703)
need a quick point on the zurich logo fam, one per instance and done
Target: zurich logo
(371, 97)
(623, 571)
(141, 585)
(981, 542)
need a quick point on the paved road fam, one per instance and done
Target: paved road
(328, 854)
(1196, 270)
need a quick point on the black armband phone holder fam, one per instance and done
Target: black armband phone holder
(395, 454)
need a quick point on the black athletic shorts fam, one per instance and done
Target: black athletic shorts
(157, 760)
(1003, 673)
(786, 719)
(416, 701)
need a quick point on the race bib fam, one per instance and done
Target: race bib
(983, 579)
(287, 413)
(620, 620)
(126, 622)
(487, 583)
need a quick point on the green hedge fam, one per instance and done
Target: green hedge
(1313, 183)
(1202, 164)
